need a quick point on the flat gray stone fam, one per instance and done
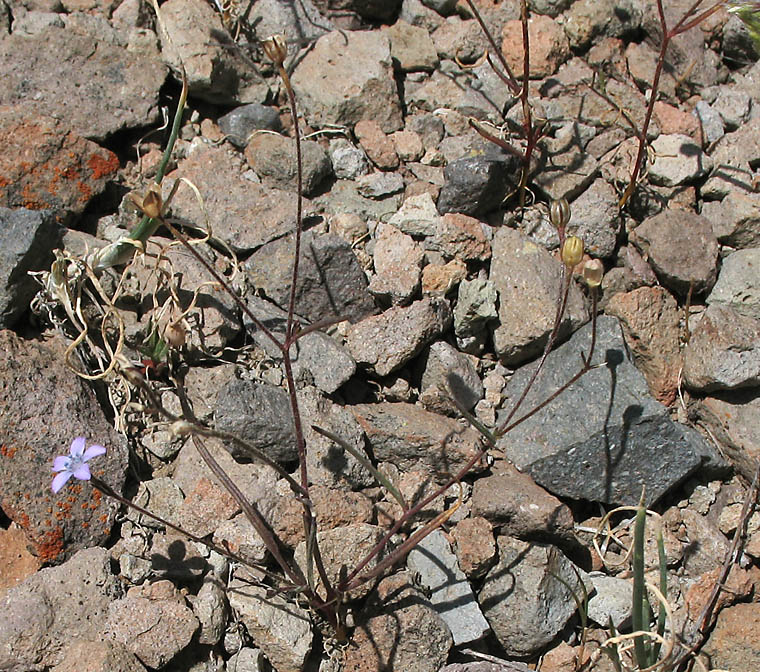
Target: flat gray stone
(611, 600)
(595, 217)
(621, 441)
(735, 219)
(449, 590)
(446, 373)
(738, 284)
(678, 160)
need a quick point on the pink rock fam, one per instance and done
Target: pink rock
(549, 47)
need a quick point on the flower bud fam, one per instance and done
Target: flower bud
(593, 270)
(152, 203)
(572, 251)
(276, 49)
(559, 213)
(174, 335)
(180, 428)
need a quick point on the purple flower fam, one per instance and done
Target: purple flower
(75, 463)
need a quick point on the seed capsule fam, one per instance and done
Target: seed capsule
(559, 213)
(593, 271)
(276, 49)
(572, 251)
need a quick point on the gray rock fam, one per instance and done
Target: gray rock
(348, 161)
(379, 184)
(348, 77)
(315, 356)
(733, 159)
(443, 7)
(738, 284)
(42, 615)
(240, 123)
(241, 538)
(344, 198)
(682, 249)
(260, 414)
(589, 19)
(280, 628)
(418, 216)
(398, 263)
(216, 70)
(475, 307)
(243, 214)
(566, 175)
(331, 283)
(446, 373)
(723, 352)
(299, 22)
(528, 280)
(210, 608)
(415, 13)
(247, 660)
(27, 240)
(476, 185)
(735, 219)
(44, 405)
(161, 496)
(596, 219)
(522, 598)
(152, 621)
(710, 121)
(386, 342)
(733, 105)
(273, 157)
(501, 499)
(612, 601)
(737, 43)
(678, 160)
(450, 592)
(622, 440)
(89, 66)
(415, 439)
(343, 548)
(551, 8)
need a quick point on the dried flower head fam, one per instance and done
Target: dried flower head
(75, 463)
(559, 213)
(151, 203)
(593, 271)
(276, 49)
(572, 251)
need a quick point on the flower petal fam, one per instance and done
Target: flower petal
(77, 446)
(61, 463)
(93, 451)
(82, 472)
(60, 480)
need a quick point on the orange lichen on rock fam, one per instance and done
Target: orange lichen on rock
(8, 451)
(102, 166)
(51, 545)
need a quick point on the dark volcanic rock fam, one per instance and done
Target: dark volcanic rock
(607, 437)
(476, 185)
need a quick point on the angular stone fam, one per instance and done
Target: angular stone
(612, 601)
(331, 283)
(590, 19)
(259, 414)
(161, 496)
(522, 598)
(299, 22)
(476, 185)
(723, 352)
(279, 627)
(735, 219)
(418, 216)
(152, 621)
(348, 77)
(98, 656)
(348, 161)
(622, 440)
(566, 175)
(681, 248)
(448, 373)
(398, 263)
(460, 237)
(735, 158)
(273, 157)
(512, 501)
(475, 546)
(411, 47)
(243, 214)
(27, 240)
(117, 88)
(216, 70)
(239, 124)
(651, 322)
(205, 506)
(595, 217)
(733, 642)
(210, 608)
(475, 307)
(527, 278)
(678, 160)
(43, 407)
(388, 341)
(413, 438)
(450, 592)
(41, 614)
(397, 626)
(59, 170)
(377, 144)
(738, 284)
(549, 47)
(379, 184)
(315, 355)
(16, 562)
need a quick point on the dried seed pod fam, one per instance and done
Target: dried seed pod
(276, 49)
(174, 334)
(572, 251)
(593, 271)
(559, 213)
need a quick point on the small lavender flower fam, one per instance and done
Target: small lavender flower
(75, 463)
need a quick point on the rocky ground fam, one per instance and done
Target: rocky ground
(414, 233)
